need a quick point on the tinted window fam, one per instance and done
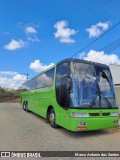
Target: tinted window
(32, 84)
(44, 80)
(40, 81)
(25, 86)
(62, 70)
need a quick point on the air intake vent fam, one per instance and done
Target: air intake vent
(105, 114)
(99, 114)
(94, 114)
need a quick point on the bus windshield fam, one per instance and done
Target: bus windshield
(92, 86)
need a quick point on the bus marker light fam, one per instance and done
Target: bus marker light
(114, 114)
(79, 115)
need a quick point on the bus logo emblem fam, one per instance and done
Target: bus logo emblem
(100, 114)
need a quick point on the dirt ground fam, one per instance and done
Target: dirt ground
(22, 131)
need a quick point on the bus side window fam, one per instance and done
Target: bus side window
(46, 79)
(62, 70)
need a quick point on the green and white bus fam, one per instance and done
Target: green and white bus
(75, 94)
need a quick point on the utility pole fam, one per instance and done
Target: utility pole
(27, 76)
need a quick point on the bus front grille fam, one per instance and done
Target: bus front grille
(105, 114)
(94, 114)
(99, 114)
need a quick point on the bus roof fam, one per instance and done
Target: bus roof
(82, 61)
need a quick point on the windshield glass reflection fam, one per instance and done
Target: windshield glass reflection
(91, 86)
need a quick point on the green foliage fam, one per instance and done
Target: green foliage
(4, 91)
(9, 94)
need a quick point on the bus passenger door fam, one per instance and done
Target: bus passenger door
(62, 94)
(64, 114)
(63, 99)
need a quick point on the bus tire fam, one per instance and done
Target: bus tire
(24, 106)
(51, 118)
(27, 110)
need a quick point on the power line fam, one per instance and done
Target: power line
(111, 45)
(96, 39)
(27, 78)
(108, 50)
(97, 58)
(106, 8)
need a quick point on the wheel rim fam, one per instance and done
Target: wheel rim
(52, 118)
(24, 107)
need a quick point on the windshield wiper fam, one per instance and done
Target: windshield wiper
(94, 99)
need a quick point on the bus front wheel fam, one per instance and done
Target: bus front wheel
(52, 118)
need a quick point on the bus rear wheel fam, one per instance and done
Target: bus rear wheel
(27, 110)
(52, 118)
(24, 106)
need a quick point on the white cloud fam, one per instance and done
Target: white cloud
(10, 83)
(102, 57)
(37, 66)
(14, 44)
(30, 30)
(32, 34)
(6, 82)
(97, 29)
(8, 73)
(14, 81)
(19, 77)
(63, 32)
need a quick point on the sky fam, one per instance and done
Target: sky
(35, 34)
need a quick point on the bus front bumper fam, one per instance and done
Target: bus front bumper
(87, 124)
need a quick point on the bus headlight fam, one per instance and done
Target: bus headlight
(114, 114)
(79, 115)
